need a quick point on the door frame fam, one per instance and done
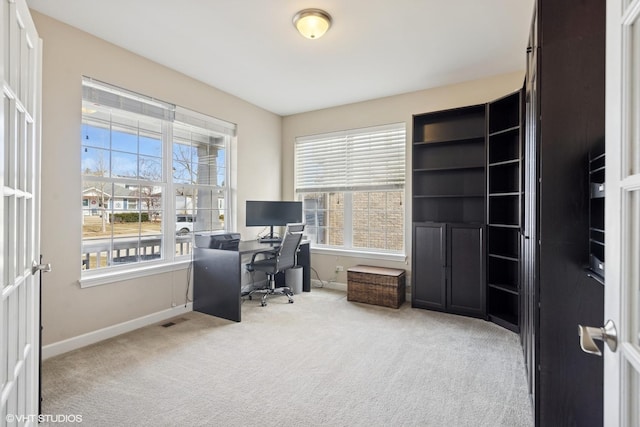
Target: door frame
(20, 165)
(621, 246)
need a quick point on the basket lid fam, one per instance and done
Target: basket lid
(383, 271)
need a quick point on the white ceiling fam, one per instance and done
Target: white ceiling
(375, 48)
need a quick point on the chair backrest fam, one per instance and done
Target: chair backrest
(286, 257)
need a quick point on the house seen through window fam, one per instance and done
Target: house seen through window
(152, 175)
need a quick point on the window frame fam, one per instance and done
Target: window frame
(347, 248)
(371, 253)
(169, 259)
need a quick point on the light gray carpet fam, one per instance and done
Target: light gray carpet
(322, 361)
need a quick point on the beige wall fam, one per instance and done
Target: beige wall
(394, 109)
(67, 310)
(263, 138)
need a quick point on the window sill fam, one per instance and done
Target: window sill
(359, 254)
(98, 278)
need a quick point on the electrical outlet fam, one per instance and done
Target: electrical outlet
(339, 268)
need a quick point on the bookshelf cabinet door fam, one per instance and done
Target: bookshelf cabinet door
(466, 281)
(428, 289)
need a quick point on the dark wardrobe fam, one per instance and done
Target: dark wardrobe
(564, 122)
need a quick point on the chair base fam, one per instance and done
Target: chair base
(272, 292)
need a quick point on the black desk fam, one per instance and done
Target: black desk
(217, 277)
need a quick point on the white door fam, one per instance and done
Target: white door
(20, 64)
(622, 212)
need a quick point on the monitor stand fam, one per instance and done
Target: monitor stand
(270, 238)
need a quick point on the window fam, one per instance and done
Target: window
(199, 176)
(144, 164)
(352, 187)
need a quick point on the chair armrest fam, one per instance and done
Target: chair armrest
(270, 251)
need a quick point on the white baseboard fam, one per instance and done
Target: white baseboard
(93, 337)
(329, 285)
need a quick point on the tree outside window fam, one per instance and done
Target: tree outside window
(143, 163)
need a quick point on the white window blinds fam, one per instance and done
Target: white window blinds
(114, 97)
(353, 160)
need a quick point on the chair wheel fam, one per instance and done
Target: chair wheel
(290, 301)
(263, 304)
(250, 297)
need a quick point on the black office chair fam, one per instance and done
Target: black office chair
(277, 260)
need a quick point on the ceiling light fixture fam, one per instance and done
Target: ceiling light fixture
(312, 23)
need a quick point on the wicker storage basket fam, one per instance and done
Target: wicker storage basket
(376, 285)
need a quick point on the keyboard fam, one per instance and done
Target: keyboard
(270, 240)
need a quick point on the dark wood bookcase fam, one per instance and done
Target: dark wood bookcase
(467, 198)
(504, 195)
(449, 165)
(449, 208)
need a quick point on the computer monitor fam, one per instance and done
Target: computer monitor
(261, 213)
